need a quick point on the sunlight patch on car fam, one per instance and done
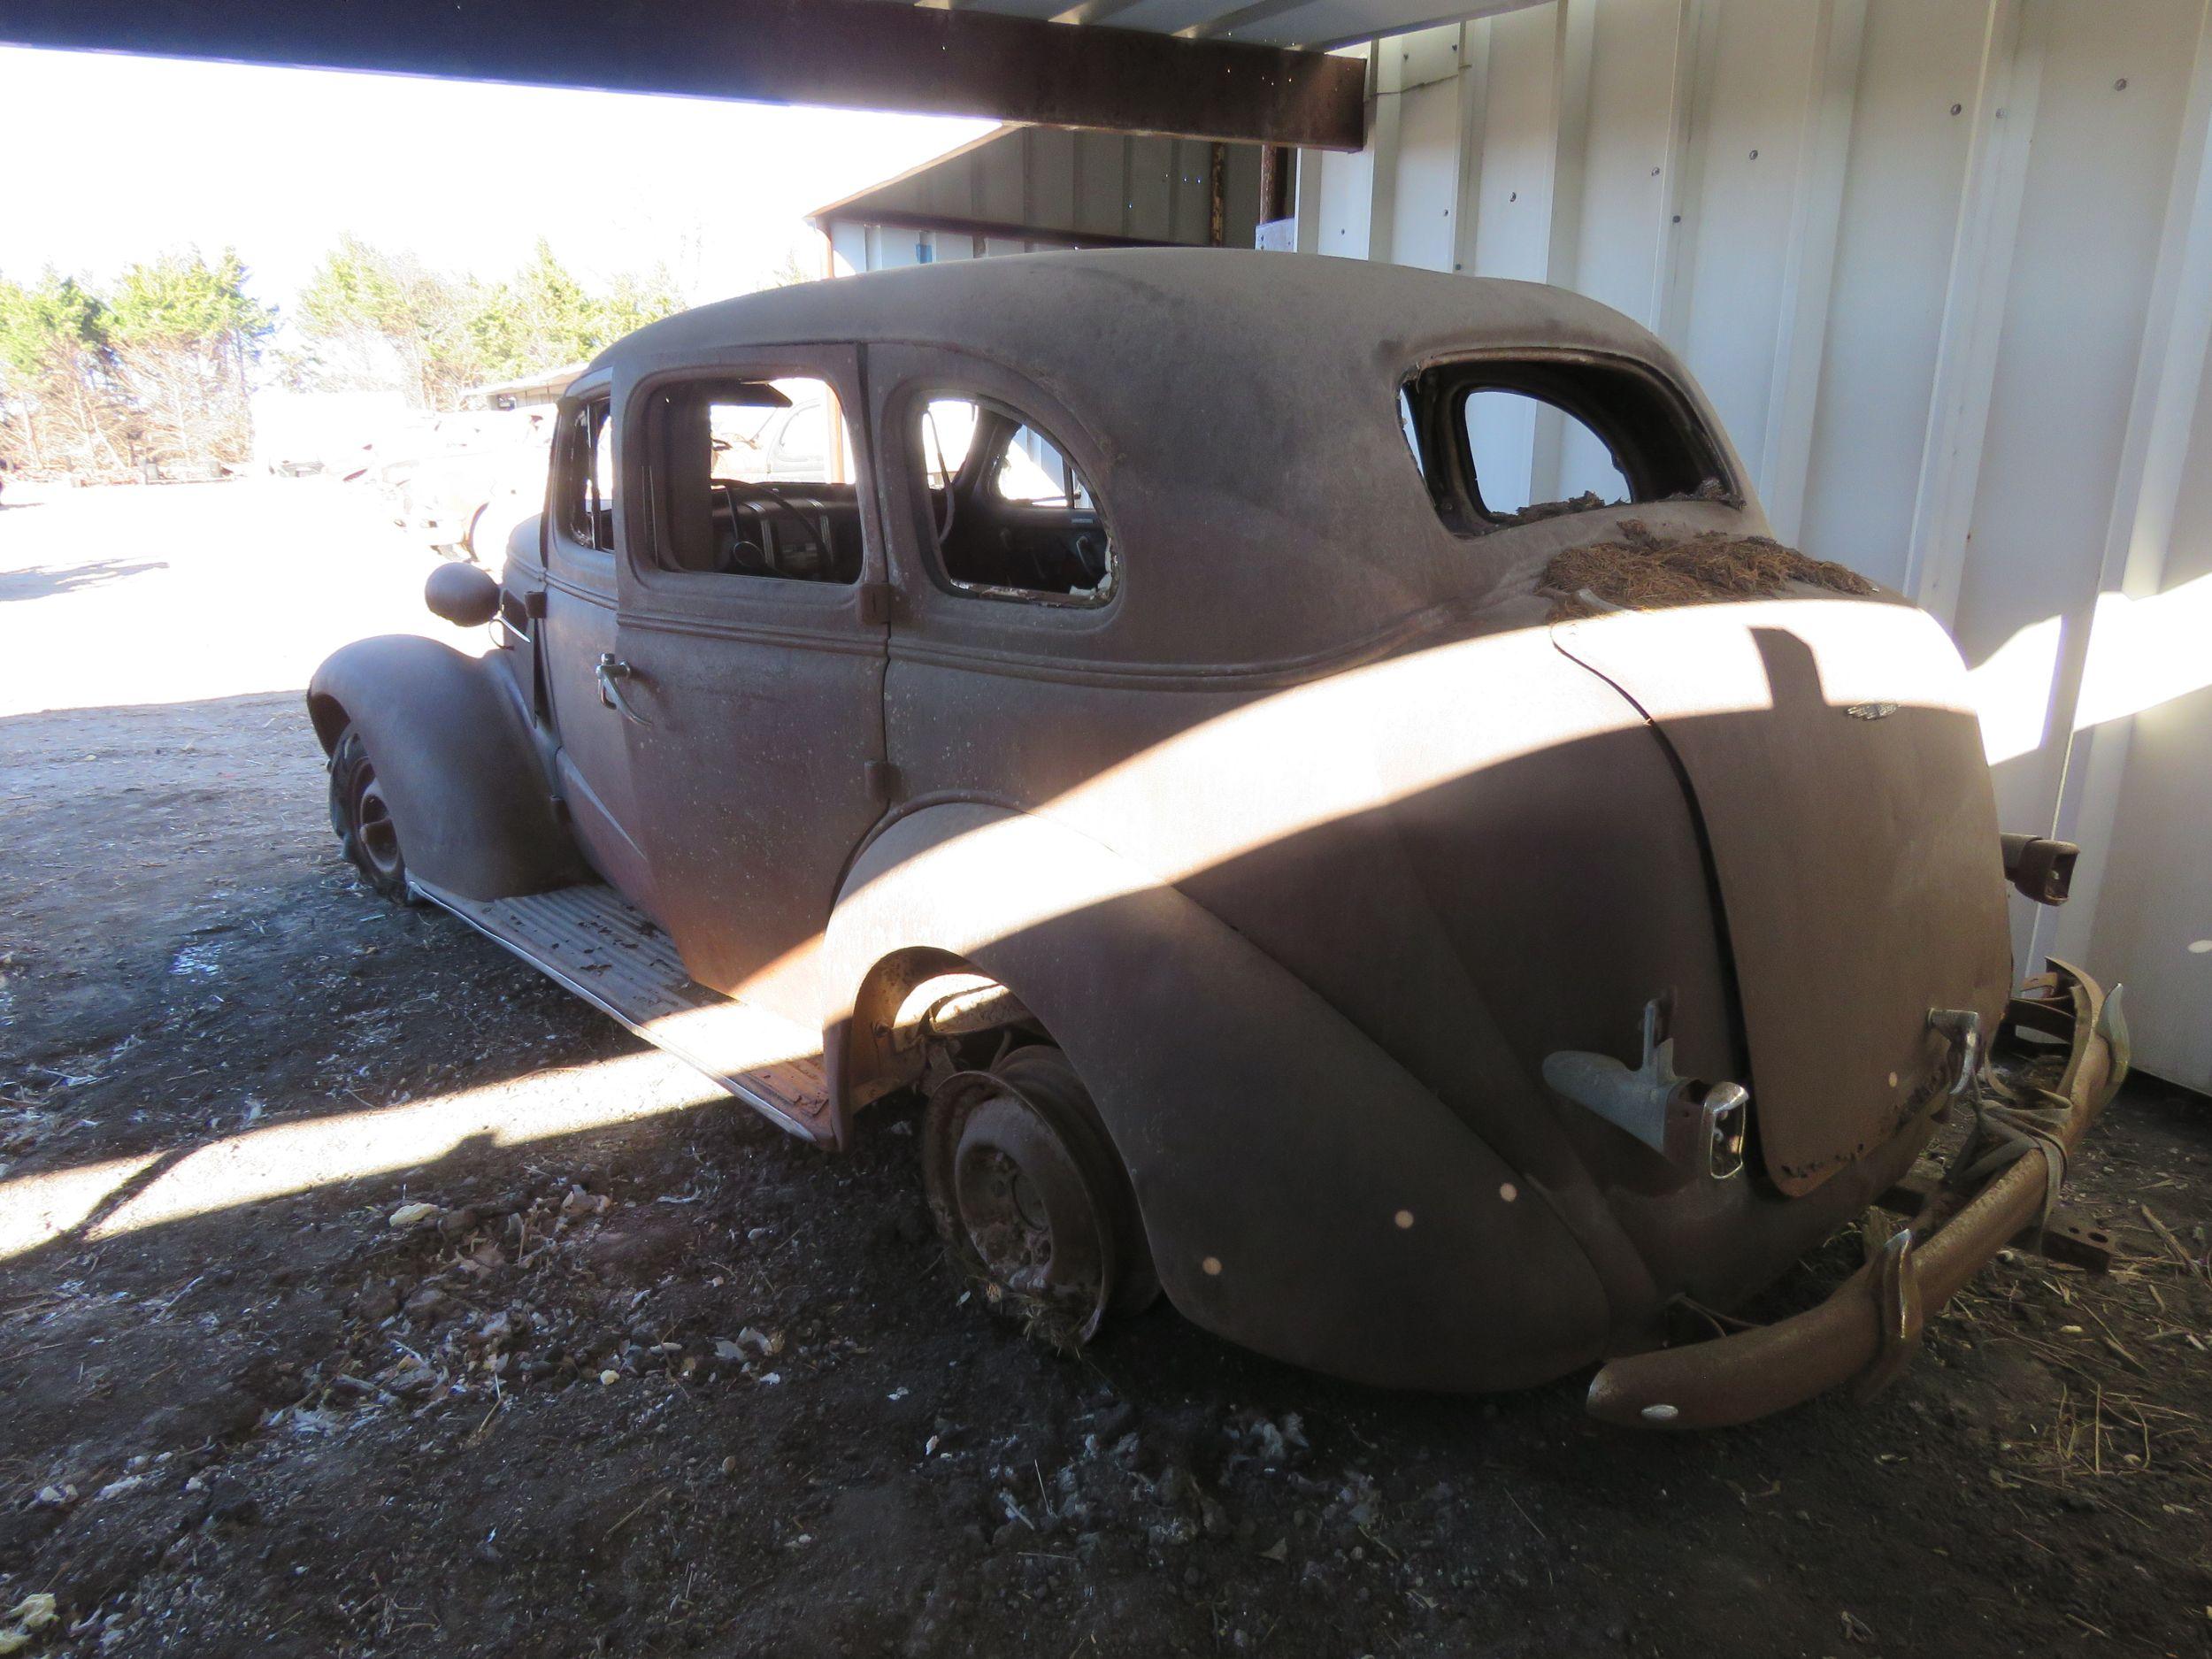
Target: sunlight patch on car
(1369, 737)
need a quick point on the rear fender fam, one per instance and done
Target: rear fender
(453, 751)
(1303, 1194)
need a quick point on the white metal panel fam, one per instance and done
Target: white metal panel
(1696, 50)
(890, 249)
(1748, 175)
(1809, 270)
(1329, 22)
(1422, 227)
(1191, 214)
(950, 190)
(1955, 311)
(2080, 285)
(2149, 642)
(1900, 206)
(1051, 196)
(848, 249)
(2153, 915)
(1512, 224)
(2006, 92)
(1513, 217)
(1342, 188)
(1151, 196)
(1003, 182)
(1624, 183)
(1271, 23)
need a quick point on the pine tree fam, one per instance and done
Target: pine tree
(185, 333)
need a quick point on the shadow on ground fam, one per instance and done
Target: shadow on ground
(45, 581)
(681, 1383)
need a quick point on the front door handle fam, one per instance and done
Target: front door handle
(610, 671)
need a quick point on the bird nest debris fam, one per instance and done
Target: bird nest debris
(1641, 571)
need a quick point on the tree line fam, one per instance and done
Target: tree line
(149, 375)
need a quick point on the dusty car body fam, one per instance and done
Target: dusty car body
(1287, 897)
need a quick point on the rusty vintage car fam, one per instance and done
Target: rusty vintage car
(1164, 732)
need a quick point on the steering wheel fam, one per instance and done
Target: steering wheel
(816, 549)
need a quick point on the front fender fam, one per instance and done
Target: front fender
(453, 751)
(1303, 1194)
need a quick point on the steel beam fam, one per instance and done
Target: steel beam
(853, 54)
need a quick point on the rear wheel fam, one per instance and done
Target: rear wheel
(362, 815)
(1031, 1200)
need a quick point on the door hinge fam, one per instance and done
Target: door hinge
(875, 603)
(533, 604)
(883, 780)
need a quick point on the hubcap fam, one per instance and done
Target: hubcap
(1017, 1205)
(372, 826)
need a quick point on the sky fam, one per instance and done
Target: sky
(147, 154)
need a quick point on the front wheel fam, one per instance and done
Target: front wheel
(1031, 1200)
(363, 817)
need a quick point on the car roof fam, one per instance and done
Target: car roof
(1241, 410)
(1052, 313)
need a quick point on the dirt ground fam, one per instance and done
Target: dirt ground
(639, 1374)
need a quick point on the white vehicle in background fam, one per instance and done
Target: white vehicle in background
(769, 445)
(308, 435)
(470, 477)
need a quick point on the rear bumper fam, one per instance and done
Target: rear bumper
(1871, 1324)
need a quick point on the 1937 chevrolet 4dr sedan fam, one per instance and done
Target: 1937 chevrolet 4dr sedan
(1167, 735)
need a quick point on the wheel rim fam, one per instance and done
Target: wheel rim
(1017, 1206)
(372, 829)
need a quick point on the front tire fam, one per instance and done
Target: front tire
(361, 815)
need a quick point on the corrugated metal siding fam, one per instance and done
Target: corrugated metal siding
(1111, 184)
(1912, 250)
(1946, 268)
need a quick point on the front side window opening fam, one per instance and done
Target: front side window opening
(1012, 515)
(586, 474)
(1505, 443)
(754, 478)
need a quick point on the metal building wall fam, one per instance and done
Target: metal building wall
(1114, 184)
(1946, 268)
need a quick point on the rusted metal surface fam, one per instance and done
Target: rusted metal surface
(2068, 1235)
(1279, 176)
(1307, 840)
(2039, 868)
(1753, 702)
(1859, 1329)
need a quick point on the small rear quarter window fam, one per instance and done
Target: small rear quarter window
(1505, 442)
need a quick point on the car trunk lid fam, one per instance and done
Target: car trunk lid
(1839, 773)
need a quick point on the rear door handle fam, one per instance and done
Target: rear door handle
(610, 671)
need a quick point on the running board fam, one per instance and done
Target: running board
(591, 940)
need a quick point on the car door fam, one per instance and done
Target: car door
(583, 529)
(751, 650)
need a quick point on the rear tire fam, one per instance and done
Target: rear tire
(362, 815)
(1031, 1200)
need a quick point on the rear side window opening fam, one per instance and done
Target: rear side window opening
(1506, 442)
(1011, 514)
